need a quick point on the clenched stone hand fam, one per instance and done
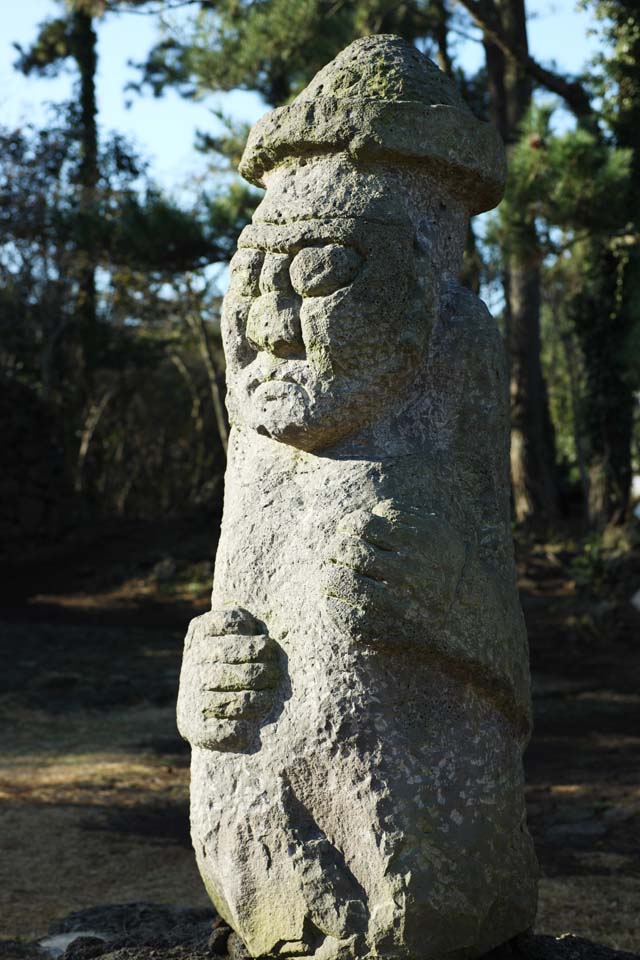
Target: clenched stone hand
(229, 675)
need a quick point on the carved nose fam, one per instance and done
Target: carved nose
(273, 324)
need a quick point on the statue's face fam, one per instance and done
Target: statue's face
(325, 321)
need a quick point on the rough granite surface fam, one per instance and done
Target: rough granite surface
(357, 700)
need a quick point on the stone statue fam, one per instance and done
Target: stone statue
(357, 700)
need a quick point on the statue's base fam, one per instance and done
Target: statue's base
(151, 931)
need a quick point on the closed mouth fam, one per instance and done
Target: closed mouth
(288, 380)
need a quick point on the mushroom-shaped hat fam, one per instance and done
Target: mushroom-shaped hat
(381, 100)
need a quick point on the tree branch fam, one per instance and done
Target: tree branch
(486, 16)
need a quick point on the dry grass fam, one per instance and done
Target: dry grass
(83, 809)
(601, 908)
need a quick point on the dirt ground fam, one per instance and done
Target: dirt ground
(94, 778)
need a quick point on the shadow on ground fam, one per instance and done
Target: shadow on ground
(94, 778)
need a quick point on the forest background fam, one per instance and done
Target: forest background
(113, 260)
(111, 284)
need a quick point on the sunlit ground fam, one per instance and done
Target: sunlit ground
(90, 814)
(94, 779)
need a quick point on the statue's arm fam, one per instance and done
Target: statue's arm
(407, 576)
(392, 574)
(404, 581)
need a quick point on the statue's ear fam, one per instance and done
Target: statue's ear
(425, 236)
(428, 276)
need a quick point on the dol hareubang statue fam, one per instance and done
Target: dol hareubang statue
(357, 700)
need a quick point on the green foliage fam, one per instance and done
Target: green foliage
(598, 567)
(53, 45)
(563, 364)
(616, 76)
(273, 47)
(616, 79)
(571, 181)
(576, 188)
(148, 231)
(270, 47)
(228, 146)
(588, 567)
(128, 222)
(228, 211)
(93, 311)
(154, 450)
(149, 379)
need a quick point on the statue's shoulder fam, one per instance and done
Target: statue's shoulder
(468, 347)
(466, 318)
(468, 386)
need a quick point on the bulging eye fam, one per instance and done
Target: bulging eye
(319, 271)
(245, 268)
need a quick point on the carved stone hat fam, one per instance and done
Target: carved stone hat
(381, 100)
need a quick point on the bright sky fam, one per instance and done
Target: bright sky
(164, 129)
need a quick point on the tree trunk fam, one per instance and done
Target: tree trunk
(85, 55)
(532, 440)
(197, 324)
(605, 339)
(567, 345)
(440, 33)
(603, 318)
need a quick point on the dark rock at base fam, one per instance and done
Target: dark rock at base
(219, 939)
(236, 949)
(530, 946)
(151, 931)
(145, 931)
(143, 922)
(86, 948)
(146, 953)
